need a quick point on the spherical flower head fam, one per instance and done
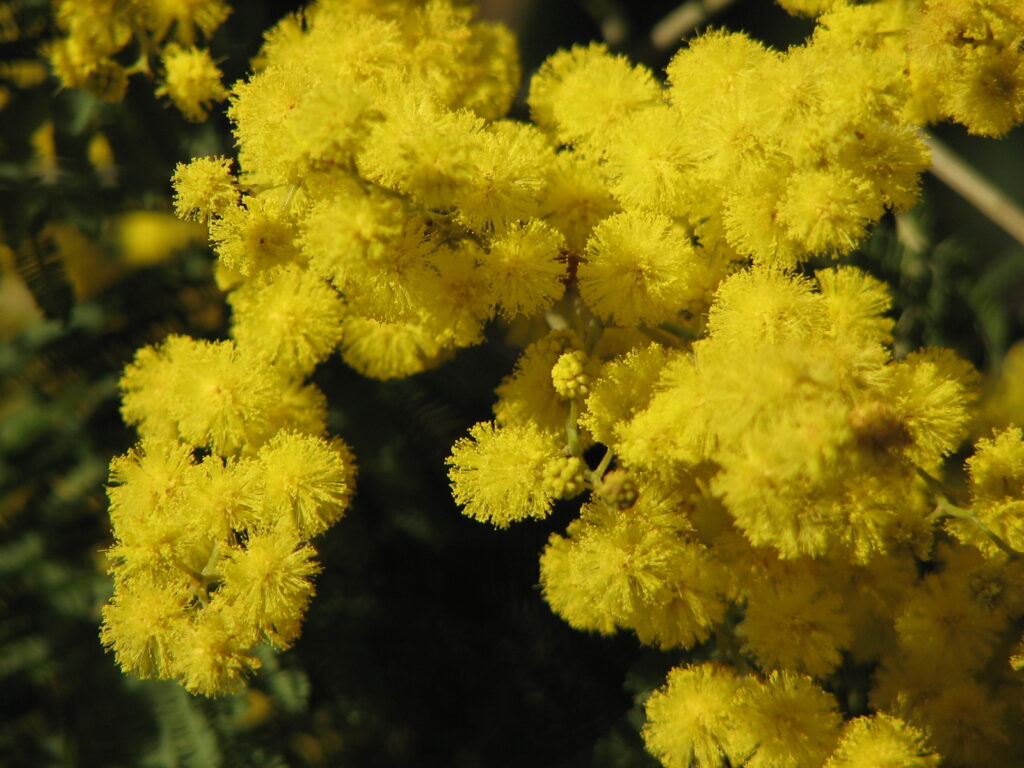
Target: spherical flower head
(691, 720)
(292, 319)
(637, 269)
(582, 92)
(139, 625)
(570, 375)
(564, 477)
(306, 482)
(254, 236)
(623, 387)
(624, 565)
(149, 479)
(388, 350)
(212, 653)
(188, 15)
(215, 396)
(191, 80)
(204, 187)
(997, 467)
(828, 211)
(505, 180)
(497, 473)
(525, 268)
(792, 721)
(882, 741)
(794, 624)
(79, 64)
(943, 622)
(268, 582)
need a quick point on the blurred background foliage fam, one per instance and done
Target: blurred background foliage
(428, 642)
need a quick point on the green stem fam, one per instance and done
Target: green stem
(678, 331)
(598, 473)
(290, 196)
(659, 336)
(572, 429)
(944, 509)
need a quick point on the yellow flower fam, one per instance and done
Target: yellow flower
(691, 721)
(204, 187)
(882, 741)
(497, 473)
(191, 80)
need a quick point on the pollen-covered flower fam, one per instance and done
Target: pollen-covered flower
(691, 721)
(497, 473)
(204, 187)
(305, 482)
(191, 80)
(882, 741)
(268, 583)
(638, 269)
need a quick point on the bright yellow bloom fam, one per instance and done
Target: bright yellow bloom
(497, 473)
(191, 80)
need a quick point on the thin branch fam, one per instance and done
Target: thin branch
(976, 189)
(683, 20)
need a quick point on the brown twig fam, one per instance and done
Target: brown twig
(687, 17)
(976, 189)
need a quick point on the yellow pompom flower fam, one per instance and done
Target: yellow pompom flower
(140, 625)
(148, 481)
(191, 80)
(634, 568)
(827, 211)
(305, 483)
(254, 236)
(623, 387)
(505, 178)
(882, 741)
(691, 720)
(186, 16)
(576, 197)
(941, 622)
(650, 162)
(291, 319)
(204, 187)
(424, 151)
(497, 473)
(213, 396)
(211, 653)
(637, 269)
(793, 623)
(528, 394)
(582, 92)
(711, 68)
(268, 583)
(791, 721)
(997, 491)
(525, 269)
(765, 306)
(388, 350)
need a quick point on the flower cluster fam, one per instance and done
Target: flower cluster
(94, 35)
(213, 510)
(770, 479)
